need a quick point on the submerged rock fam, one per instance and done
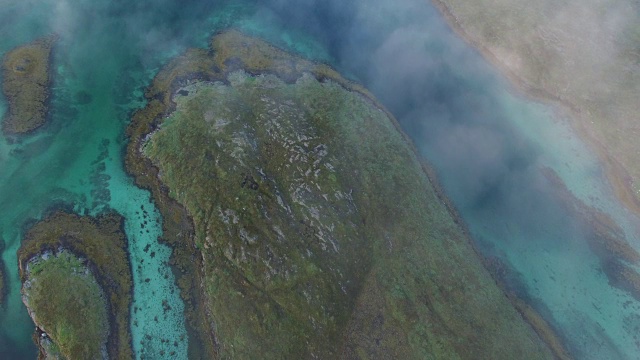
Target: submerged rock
(27, 77)
(307, 225)
(76, 284)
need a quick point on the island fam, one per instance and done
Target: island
(77, 286)
(303, 223)
(27, 79)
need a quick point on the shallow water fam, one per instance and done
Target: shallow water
(487, 144)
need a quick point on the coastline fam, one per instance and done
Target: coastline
(616, 174)
(618, 177)
(178, 227)
(546, 332)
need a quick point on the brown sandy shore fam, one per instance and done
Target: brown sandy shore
(199, 65)
(581, 120)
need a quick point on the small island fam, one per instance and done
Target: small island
(303, 223)
(76, 284)
(27, 78)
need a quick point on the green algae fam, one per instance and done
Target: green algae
(95, 250)
(317, 229)
(56, 286)
(26, 82)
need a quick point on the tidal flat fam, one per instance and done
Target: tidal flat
(26, 84)
(77, 286)
(314, 229)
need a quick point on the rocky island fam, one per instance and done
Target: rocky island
(77, 287)
(27, 78)
(303, 223)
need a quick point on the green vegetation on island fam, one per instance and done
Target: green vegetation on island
(303, 222)
(66, 302)
(77, 286)
(26, 83)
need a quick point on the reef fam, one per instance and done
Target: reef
(77, 286)
(27, 78)
(303, 223)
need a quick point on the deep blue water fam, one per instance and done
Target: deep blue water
(487, 143)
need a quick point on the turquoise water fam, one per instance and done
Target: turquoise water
(487, 143)
(76, 161)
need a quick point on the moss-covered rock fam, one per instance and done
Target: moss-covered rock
(77, 286)
(27, 77)
(316, 230)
